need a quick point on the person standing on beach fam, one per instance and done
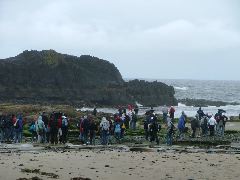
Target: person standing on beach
(40, 128)
(136, 109)
(12, 119)
(133, 121)
(53, 124)
(200, 113)
(94, 111)
(18, 129)
(170, 131)
(32, 130)
(165, 113)
(146, 122)
(92, 130)
(7, 128)
(153, 128)
(194, 126)
(47, 131)
(212, 123)
(65, 126)
(171, 112)
(181, 125)
(104, 126)
(221, 124)
(117, 130)
(2, 126)
(120, 111)
(85, 126)
(204, 125)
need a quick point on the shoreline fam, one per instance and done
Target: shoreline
(119, 163)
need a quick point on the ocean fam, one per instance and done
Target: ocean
(226, 91)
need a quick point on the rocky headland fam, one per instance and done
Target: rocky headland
(53, 78)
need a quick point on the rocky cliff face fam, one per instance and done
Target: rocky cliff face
(51, 77)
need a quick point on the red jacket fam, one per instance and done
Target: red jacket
(60, 122)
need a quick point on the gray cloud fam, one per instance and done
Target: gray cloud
(147, 39)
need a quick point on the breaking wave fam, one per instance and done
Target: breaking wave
(181, 88)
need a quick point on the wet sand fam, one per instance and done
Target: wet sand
(233, 126)
(116, 165)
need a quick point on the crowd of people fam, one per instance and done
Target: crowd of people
(209, 123)
(54, 128)
(201, 125)
(110, 126)
(44, 129)
(11, 127)
(50, 129)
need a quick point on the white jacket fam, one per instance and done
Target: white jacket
(212, 121)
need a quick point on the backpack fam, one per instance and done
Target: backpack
(105, 126)
(32, 128)
(151, 127)
(40, 128)
(117, 128)
(64, 122)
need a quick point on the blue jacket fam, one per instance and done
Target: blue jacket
(181, 122)
(20, 124)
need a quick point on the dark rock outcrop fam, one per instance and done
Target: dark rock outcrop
(51, 77)
(205, 103)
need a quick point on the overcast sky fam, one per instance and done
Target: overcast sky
(166, 39)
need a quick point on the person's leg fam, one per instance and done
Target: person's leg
(20, 137)
(15, 137)
(165, 117)
(56, 136)
(146, 134)
(180, 134)
(167, 139)
(171, 139)
(223, 130)
(156, 137)
(1, 140)
(52, 136)
(193, 132)
(134, 125)
(63, 135)
(107, 137)
(217, 130)
(103, 137)
(211, 130)
(93, 138)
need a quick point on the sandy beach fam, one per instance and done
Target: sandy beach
(112, 164)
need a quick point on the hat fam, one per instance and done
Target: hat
(104, 119)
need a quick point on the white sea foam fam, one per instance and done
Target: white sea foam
(190, 111)
(181, 105)
(181, 88)
(139, 105)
